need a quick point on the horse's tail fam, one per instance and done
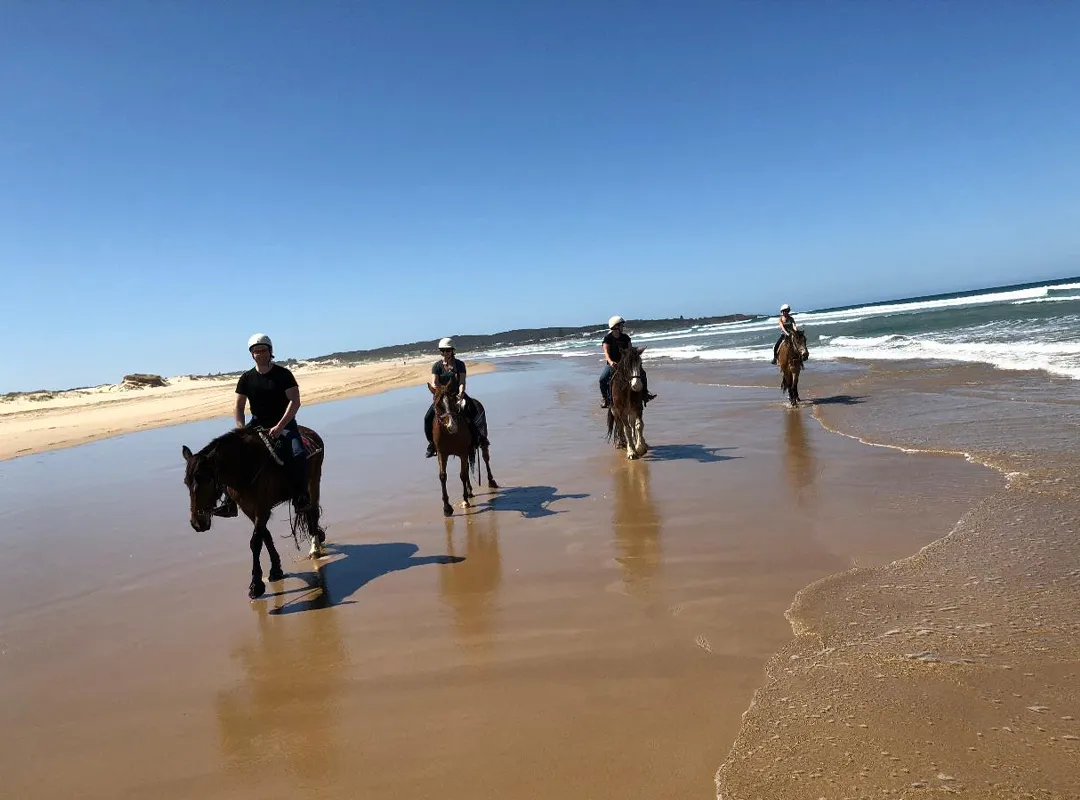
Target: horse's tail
(610, 424)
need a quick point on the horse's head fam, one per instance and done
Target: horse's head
(799, 339)
(204, 489)
(447, 408)
(630, 367)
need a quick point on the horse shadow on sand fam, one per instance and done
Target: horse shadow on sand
(689, 452)
(332, 583)
(837, 400)
(531, 502)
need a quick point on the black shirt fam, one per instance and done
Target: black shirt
(448, 375)
(266, 393)
(616, 344)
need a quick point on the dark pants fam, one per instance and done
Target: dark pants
(605, 382)
(776, 347)
(470, 415)
(290, 448)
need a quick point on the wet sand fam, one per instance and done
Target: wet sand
(36, 423)
(594, 629)
(953, 671)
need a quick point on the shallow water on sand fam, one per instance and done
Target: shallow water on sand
(953, 671)
(593, 629)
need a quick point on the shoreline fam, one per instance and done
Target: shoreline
(79, 416)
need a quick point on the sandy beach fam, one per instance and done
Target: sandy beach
(596, 628)
(36, 423)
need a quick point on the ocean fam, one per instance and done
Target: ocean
(1020, 327)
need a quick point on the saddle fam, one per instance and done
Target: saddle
(311, 446)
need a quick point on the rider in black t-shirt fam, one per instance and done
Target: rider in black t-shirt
(448, 371)
(614, 343)
(271, 391)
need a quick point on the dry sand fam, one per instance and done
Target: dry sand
(29, 424)
(594, 629)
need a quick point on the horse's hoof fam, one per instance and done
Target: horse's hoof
(465, 504)
(256, 590)
(276, 575)
(493, 485)
(448, 511)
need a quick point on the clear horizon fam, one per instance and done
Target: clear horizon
(348, 177)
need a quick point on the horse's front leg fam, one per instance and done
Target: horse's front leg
(641, 447)
(795, 390)
(487, 466)
(257, 588)
(629, 434)
(276, 573)
(465, 487)
(446, 507)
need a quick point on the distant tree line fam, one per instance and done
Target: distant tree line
(518, 337)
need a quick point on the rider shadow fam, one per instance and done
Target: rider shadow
(839, 400)
(689, 452)
(336, 581)
(529, 501)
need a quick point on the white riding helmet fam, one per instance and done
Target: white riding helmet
(446, 343)
(260, 338)
(616, 320)
(785, 307)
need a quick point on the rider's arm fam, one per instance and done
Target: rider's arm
(292, 394)
(238, 412)
(607, 355)
(461, 378)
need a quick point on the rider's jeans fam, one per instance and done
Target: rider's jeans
(605, 382)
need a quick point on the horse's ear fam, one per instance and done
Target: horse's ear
(642, 349)
(187, 453)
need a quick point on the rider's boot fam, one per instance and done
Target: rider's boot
(430, 450)
(298, 479)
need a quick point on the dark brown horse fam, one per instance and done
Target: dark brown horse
(790, 359)
(240, 464)
(625, 417)
(453, 436)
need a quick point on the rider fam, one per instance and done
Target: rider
(448, 371)
(614, 344)
(787, 328)
(274, 396)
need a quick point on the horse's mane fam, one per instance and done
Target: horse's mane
(235, 433)
(626, 360)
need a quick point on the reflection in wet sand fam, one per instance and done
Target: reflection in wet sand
(799, 463)
(470, 586)
(281, 721)
(635, 526)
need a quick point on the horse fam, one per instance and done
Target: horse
(241, 464)
(625, 423)
(453, 436)
(790, 360)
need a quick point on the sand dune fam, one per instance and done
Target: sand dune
(35, 423)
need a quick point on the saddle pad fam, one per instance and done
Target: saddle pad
(310, 445)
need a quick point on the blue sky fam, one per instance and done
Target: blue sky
(175, 176)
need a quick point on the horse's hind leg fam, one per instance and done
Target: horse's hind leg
(446, 507)
(314, 490)
(466, 488)
(487, 466)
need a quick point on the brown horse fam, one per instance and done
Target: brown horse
(625, 417)
(790, 359)
(453, 436)
(240, 464)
